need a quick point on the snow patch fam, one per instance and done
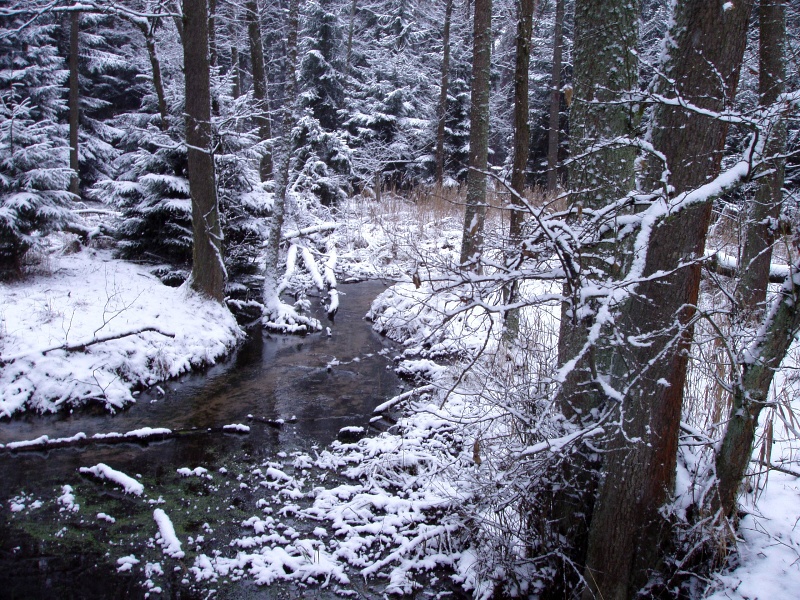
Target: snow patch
(103, 471)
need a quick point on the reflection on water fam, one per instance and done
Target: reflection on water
(325, 381)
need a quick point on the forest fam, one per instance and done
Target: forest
(587, 219)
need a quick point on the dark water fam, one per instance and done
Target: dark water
(269, 377)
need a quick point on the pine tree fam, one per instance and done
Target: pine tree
(34, 153)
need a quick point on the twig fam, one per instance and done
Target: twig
(775, 467)
(81, 346)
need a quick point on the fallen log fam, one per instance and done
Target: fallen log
(137, 436)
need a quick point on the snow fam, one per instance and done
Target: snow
(103, 471)
(87, 296)
(236, 427)
(196, 472)
(769, 553)
(395, 503)
(67, 499)
(126, 563)
(169, 541)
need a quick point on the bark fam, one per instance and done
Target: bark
(441, 112)
(261, 116)
(522, 129)
(475, 213)
(212, 32)
(155, 65)
(272, 248)
(627, 530)
(555, 100)
(751, 394)
(605, 70)
(750, 397)
(522, 136)
(762, 221)
(236, 90)
(178, 20)
(74, 102)
(208, 270)
(351, 27)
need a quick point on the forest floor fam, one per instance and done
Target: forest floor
(392, 504)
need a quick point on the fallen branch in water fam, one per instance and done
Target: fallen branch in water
(404, 396)
(140, 436)
(273, 422)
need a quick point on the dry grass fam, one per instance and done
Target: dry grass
(439, 205)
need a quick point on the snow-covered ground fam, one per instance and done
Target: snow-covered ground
(53, 323)
(394, 504)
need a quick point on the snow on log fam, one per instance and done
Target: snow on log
(333, 302)
(169, 541)
(404, 396)
(309, 230)
(236, 427)
(313, 270)
(103, 471)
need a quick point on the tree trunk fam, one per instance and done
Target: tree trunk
(272, 250)
(208, 270)
(751, 292)
(522, 139)
(178, 20)
(555, 100)
(155, 65)
(762, 221)
(475, 213)
(627, 530)
(522, 129)
(605, 69)
(441, 112)
(212, 32)
(351, 27)
(260, 96)
(74, 102)
(236, 90)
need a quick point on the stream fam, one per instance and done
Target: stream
(317, 384)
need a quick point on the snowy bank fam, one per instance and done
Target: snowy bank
(96, 327)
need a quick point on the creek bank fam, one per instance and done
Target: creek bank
(329, 383)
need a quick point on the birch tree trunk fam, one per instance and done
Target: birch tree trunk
(350, 28)
(236, 88)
